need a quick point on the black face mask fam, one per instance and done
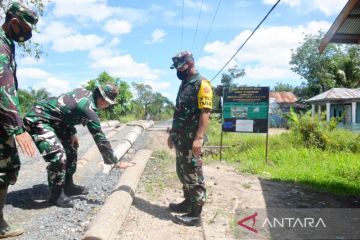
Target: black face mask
(183, 75)
(22, 36)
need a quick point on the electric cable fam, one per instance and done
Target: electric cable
(232, 57)
(197, 25)
(210, 28)
(182, 25)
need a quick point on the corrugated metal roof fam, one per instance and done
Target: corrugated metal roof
(337, 94)
(346, 27)
(283, 97)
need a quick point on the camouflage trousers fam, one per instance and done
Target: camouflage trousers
(189, 171)
(56, 149)
(9, 160)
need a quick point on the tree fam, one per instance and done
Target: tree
(283, 87)
(227, 79)
(144, 96)
(39, 94)
(25, 99)
(30, 47)
(335, 67)
(28, 98)
(123, 100)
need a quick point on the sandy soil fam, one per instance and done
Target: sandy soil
(227, 190)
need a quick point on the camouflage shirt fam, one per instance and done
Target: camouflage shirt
(194, 95)
(10, 120)
(70, 109)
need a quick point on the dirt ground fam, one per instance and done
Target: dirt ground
(227, 191)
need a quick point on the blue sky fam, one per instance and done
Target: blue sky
(135, 40)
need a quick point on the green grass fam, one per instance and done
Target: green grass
(336, 172)
(157, 176)
(127, 118)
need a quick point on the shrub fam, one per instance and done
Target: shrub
(315, 132)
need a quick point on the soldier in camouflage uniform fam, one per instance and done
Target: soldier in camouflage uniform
(191, 116)
(51, 124)
(18, 24)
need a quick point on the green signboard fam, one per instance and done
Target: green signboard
(246, 109)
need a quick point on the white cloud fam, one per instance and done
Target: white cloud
(269, 48)
(99, 53)
(32, 73)
(156, 36)
(29, 61)
(77, 42)
(169, 14)
(157, 86)
(328, 7)
(117, 27)
(43, 79)
(195, 5)
(114, 42)
(126, 67)
(53, 85)
(52, 31)
(95, 10)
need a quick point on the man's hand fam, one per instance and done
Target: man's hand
(197, 147)
(25, 142)
(75, 141)
(170, 142)
(123, 165)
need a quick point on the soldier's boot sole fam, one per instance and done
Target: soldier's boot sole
(6, 233)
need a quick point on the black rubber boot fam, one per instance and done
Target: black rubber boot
(191, 219)
(5, 229)
(183, 207)
(71, 189)
(58, 198)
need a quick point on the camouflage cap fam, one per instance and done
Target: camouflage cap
(182, 58)
(109, 92)
(26, 14)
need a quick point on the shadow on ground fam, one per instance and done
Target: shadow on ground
(157, 211)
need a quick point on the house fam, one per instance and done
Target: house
(342, 103)
(280, 103)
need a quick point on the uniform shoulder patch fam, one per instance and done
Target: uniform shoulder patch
(205, 95)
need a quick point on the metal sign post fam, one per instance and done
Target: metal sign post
(267, 133)
(222, 121)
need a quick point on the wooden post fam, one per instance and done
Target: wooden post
(267, 147)
(221, 145)
(267, 132)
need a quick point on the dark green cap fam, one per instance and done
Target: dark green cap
(26, 14)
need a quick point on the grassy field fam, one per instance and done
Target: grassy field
(329, 170)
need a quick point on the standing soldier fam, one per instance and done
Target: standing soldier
(51, 124)
(18, 24)
(191, 117)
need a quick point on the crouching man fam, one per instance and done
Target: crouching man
(51, 124)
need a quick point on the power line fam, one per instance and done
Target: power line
(197, 25)
(273, 7)
(182, 25)
(210, 28)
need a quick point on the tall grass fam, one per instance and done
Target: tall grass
(334, 168)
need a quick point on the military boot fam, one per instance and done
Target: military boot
(5, 229)
(57, 197)
(183, 207)
(72, 189)
(191, 219)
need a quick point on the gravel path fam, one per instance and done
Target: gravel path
(26, 205)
